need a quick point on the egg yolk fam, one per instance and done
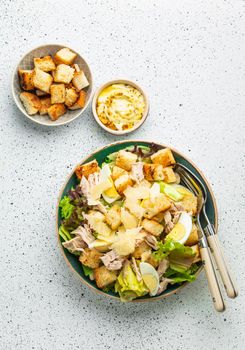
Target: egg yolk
(150, 281)
(177, 232)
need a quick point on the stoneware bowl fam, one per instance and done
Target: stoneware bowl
(119, 81)
(27, 63)
(100, 156)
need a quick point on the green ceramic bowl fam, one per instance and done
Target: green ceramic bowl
(100, 155)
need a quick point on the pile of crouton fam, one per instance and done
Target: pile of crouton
(54, 85)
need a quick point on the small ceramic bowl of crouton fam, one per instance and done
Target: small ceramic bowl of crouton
(52, 85)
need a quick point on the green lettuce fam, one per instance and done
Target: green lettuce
(128, 286)
(66, 207)
(178, 275)
(171, 247)
(87, 270)
(170, 191)
(64, 233)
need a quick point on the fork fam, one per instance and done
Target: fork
(196, 186)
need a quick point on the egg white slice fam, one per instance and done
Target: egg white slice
(150, 277)
(182, 230)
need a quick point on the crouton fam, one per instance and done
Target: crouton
(140, 249)
(56, 110)
(80, 102)
(45, 104)
(64, 55)
(159, 217)
(46, 63)
(164, 157)
(196, 250)
(161, 203)
(31, 102)
(42, 80)
(104, 277)
(152, 226)
(113, 217)
(41, 93)
(151, 260)
(153, 172)
(57, 92)
(169, 175)
(193, 238)
(70, 97)
(129, 221)
(91, 258)
(125, 160)
(79, 80)
(122, 183)
(63, 74)
(26, 79)
(189, 203)
(117, 172)
(87, 169)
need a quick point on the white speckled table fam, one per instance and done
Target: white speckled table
(190, 56)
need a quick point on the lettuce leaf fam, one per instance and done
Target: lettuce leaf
(87, 270)
(128, 286)
(178, 276)
(64, 233)
(66, 207)
(170, 191)
(172, 248)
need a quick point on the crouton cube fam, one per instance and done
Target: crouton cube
(153, 227)
(169, 175)
(79, 80)
(159, 217)
(161, 203)
(122, 183)
(125, 160)
(45, 63)
(193, 238)
(140, 249)
(45, 104)
(117, 172)
(129, 221)
(40, 93)
(164, 157)
(64, 55)
(42, 80)
(31, 102)
(80, 102)
(91, 258)
(57, 92)
(87, 169)
(56, 110)
(196, 250)
(71, 97)
(189, 203)
(104, 277)
(113, 217)
(153, 172)
(26, 79)
(63, 74)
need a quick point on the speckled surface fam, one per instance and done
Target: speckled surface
(190, 57)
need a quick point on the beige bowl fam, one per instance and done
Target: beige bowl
(119, 132)
(27, 63)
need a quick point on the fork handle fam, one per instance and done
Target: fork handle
(228, 281)
(212, 279)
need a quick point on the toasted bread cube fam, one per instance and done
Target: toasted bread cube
(160, 204)
(104, 277)
(193, 238)
(57, 92)
(169, 175)
(140, 249)
(196, 250)
(122, 183)
(151, 260)
(125, 160)
(76, 67)
(26, 79)
(63, 74)
(45, 104)
(87, 169)
(45, 63)
(113, 217)
(153, 172)
(41, 93)
(42, 80)
(79, 80)
(189, 203)
(31, 102)
(129, 220)
(80, 102)
(164, 157)
(117, 172)
(56, 110)
(159, 217)
(71, 97)
(91, 258)
(64, 55)
(152, 226)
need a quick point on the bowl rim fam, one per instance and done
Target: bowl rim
(163, 296)
(15, 71)
(120, 81)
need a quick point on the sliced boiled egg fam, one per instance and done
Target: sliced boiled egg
(182, 230)
(150, 277)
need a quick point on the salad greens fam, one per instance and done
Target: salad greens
(66, 207)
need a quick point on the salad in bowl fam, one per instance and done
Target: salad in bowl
(127, 223)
